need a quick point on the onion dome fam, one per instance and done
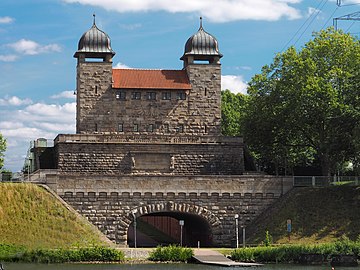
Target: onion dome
(202, 46)
(95, 43)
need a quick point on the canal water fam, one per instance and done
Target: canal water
(18, 266)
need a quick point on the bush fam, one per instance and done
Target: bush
(288, 254)
(171, 253)
(98, 253)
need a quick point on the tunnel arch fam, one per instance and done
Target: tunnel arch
(191, 213)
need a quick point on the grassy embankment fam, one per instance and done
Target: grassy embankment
(32, 218)
(319, 215)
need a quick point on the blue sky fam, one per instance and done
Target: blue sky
(39, 38)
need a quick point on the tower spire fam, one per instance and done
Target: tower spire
(200, 23)
(94, 18)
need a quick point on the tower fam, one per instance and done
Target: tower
(202, 63)
(93, 79)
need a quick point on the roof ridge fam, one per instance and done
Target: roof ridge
(150, 69)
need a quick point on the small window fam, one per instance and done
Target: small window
(136, 128)
(205, 129)
(96, 127)
(181, 95)
(121, 95)
(151, 128)
(205, 91)
(136, 95)
(166, 95)
(121, 128)
(150, 95)
(180, 128)
(166, 128)
(96, 90)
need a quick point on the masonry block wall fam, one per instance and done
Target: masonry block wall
(110, 202)
(205, 97)
(94, 81)
(110, 158)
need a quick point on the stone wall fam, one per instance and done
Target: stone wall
(93, 90)
(100, 108)
(205, 98)
(110, 202)
(115, 157)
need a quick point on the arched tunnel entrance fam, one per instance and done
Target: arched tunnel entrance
(164, 228)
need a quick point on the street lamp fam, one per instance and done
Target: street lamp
(134, 217)
(237, 229)
(181, 223)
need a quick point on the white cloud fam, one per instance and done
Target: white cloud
(8, 58)
(7, 19)
(213, 10)
(64, 94)
(235, 84)
(25, 124)
(14, 101)
(313, 11)
(121, 65)
(29, 47)
(131, 26)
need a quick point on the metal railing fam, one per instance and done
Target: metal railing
(322, 181)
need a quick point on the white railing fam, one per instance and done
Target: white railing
(321, 181)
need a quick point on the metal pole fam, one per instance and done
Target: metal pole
(135, 240)
(243, 230)
(181, 235)
(237, 229)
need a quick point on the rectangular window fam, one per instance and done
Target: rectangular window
(121, 128)
(151, 95)
(136, 128)
(121, 95)
(181, 95)
(96, 127)
(151, 128)
(136, 95)
(166, 128)
(166, 95)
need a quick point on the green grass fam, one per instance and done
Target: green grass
(291, 253)
(171, 253)
(319, 215)
(11, 253)
(32, 218)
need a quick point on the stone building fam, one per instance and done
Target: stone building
(148, 146)
(148, 121)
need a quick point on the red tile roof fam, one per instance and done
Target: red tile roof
(150, 79)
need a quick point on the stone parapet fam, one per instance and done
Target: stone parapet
(144, 138)
(257, 186)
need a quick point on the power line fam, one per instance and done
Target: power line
(311, 22)
(339, 4)
(347, 30)
(308, 18)
(331, 16)
(349, 17)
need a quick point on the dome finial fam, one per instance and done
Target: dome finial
(94, 18)
(200, 23)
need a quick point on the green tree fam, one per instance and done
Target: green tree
(305, 105)
(2, 150)
(232, 108)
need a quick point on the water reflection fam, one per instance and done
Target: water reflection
(12, 266)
